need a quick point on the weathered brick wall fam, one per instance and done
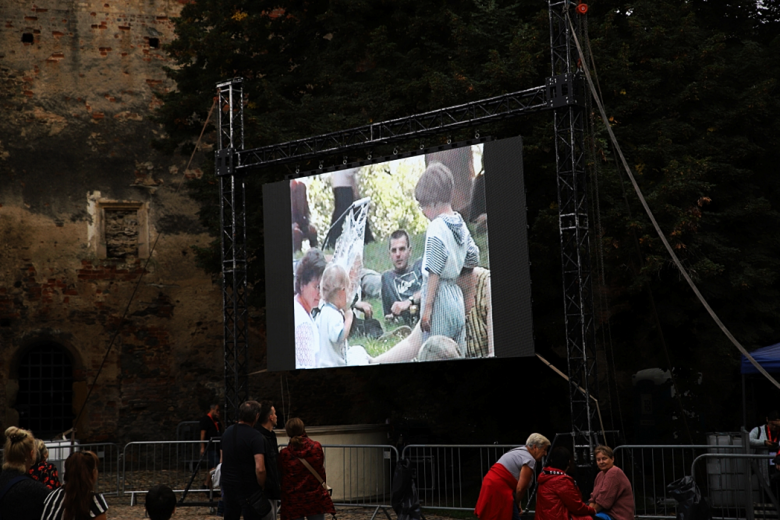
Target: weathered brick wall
(77, 89)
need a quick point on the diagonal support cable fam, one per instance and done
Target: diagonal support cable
(658, 230)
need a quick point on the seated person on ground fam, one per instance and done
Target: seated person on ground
(401, 285)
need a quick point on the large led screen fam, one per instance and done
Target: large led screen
(416, 259)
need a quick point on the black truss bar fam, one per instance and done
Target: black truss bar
(573, 225)
(397, 130)
(232, 191)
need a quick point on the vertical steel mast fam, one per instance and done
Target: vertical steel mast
(568, 99)
(232, 192)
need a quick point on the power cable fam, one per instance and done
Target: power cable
(660, 233)
(137, 284)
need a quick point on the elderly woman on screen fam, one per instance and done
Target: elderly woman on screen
(307, 297)
(612, 497)
(507, 481)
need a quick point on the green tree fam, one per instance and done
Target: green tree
(691, 88)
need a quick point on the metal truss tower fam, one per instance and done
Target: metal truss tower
(563, 93)
(232, 194)
(573, 225)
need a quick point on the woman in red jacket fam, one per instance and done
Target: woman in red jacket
(557, 495)
(302, 493)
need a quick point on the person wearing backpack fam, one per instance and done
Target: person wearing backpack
(21, 497)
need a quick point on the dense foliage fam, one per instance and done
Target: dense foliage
(691, 88)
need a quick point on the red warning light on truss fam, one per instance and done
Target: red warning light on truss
(582, 8)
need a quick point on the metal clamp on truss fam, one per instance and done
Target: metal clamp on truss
(225, 162)
(564, 90)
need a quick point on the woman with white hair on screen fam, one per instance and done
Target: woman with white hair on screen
(507, 481)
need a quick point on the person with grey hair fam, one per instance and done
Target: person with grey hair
(508, 480)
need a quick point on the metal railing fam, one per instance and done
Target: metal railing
(651, 468)
(172, 463)
(449, 476)
(108, 470)
(736, 484)
(360, 475)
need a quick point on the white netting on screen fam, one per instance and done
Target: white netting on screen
(349, 246)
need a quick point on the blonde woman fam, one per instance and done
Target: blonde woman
(23, 497)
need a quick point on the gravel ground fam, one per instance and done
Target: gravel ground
(120, 509)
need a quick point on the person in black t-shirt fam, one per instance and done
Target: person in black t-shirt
(265, 425)
(210, 428)
(243, 463)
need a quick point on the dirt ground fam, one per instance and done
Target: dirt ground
(120, 509)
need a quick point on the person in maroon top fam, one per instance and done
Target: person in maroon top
(302, 493)
(43, 471)
(557, 495)
(612, 497)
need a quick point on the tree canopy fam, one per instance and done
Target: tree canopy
(691, 89)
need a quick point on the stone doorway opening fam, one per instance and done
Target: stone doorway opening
(45, 397)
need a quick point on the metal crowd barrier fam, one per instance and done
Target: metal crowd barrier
(108, 470)
(145, 464)
(361, 475)
(650, 468)
(449, 476)
(736, 485)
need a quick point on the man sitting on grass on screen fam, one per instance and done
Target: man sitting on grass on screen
(401, 285)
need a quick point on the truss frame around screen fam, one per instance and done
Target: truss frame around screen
(562, 93)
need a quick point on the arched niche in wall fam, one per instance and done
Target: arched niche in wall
(48, 374)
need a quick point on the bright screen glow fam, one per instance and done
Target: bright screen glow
(391, 262)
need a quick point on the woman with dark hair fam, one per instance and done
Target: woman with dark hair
(612, 497)
(303, 493)
(44, 471)
(557, 495)
(307, 297)
(23, 498)
(75, 500)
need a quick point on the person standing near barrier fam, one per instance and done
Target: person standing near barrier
(303, 494)
(243, 463)
(767, 436)
(75, 500)
(508, 480)
(265, 425)
(21, 496)
(612, 497)
(210, 428)
(557, 495)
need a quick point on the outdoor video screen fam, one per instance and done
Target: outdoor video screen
(416, 259)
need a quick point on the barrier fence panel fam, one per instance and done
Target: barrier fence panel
(651, 468)
(108, 470)
(145, 464)
(723, 480)
(449, 476)
(360, 475)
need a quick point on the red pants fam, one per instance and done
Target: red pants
(497, 495)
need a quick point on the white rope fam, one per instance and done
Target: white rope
(652, 218)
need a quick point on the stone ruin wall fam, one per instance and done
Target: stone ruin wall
(83, 197)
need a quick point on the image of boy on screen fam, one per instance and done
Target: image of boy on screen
(334, 320)
(449, 248)
(307, 297)
(401, 285)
